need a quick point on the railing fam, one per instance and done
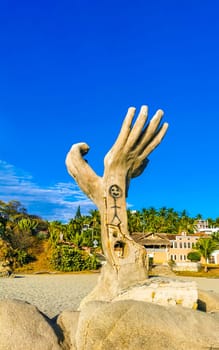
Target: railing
(156, 250)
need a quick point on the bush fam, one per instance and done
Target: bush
(6, 251)
(65, 258)
(22, 257)
(194, 256)
(171, 263)
(42, 235)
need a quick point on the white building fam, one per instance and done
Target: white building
(202, 226)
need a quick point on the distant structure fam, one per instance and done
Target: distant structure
(202, 226)
(162, 247)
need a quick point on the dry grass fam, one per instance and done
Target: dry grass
(213, 272)
(42, 251)
(42, 264)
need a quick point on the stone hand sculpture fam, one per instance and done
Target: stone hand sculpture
(126, 262)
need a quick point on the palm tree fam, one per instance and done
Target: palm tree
(172, 221)
(198, 217)
(57, 231)
(210, 222)
(151, 219)
(94, 222)
(217, 221)
(186, 223)
(215, 237)
(135, 221)
(206, 246)
(94, 218)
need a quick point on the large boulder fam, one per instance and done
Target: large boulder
(163, 291)
(128, 325)
(208, 301)
(23, 327)
(68, 322)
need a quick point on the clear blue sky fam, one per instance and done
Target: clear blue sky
(68, 72)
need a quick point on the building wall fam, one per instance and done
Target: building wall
(181, 246)
(215, 257)
(159, 255)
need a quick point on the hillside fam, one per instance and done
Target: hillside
(42, 252)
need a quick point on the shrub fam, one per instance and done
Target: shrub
(194, 256)
(42, 235)
(6, 251)
(171, 263)
(66, 258)
(22, 257)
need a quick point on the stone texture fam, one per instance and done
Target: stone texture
(208, 301)
(163, 291)
(68, 322)
(128, 325)
(23, 327)
(162, 270)
(109, 284)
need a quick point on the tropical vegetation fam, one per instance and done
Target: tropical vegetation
(206, 246)
(164, 220)
(194, 256)
(70, 247)
(73, 246)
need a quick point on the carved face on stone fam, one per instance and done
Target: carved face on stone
(115, 191)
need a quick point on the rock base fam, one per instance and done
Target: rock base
(130, 324)
(119, 325)
(163, 291)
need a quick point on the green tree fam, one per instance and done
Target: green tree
(149, 218)
(78, 213)
(194, 256)
(215, 237)
(13, 210)
(135, 221)
(186, 223)
(206, 246)
(94, 226)
(172, 221)
(57, 231)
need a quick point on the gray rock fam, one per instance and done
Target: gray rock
(163, 291)
(68, 322)
(23, 327)
(128, 325)
(208, 301)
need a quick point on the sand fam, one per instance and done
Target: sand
(50, 293)
(208, 284)
(54, 293)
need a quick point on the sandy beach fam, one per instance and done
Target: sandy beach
(208, 284)
(54, 293)
(50, 293)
